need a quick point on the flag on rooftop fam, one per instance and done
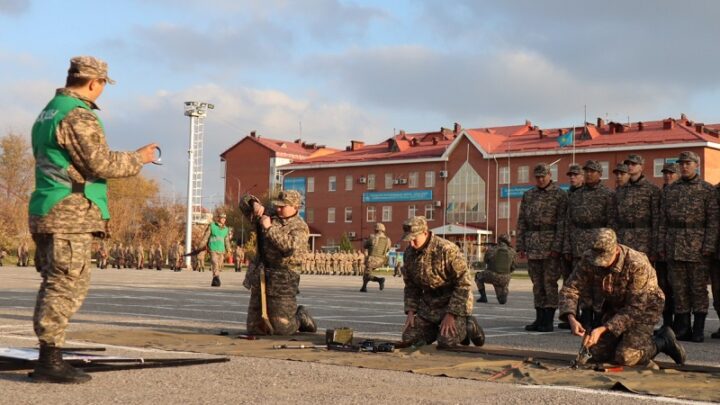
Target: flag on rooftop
(566, 139)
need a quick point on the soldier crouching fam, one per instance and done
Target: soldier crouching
(500, 263)
(438, 291)
(625, 281)
(282, 242)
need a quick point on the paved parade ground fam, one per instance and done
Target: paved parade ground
(147, 299)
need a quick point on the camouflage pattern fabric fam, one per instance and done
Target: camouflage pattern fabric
(437, 281)
(424, 330)
(689, 282)
(545, 275)
(377, 246)
(634, 347)
(541, 222)
(587, 210)
(635, 215)
(217, 259)
(500, 282)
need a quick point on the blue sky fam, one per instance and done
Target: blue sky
(358, 69)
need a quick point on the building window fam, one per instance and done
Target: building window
(388, 180)
(387, 213)
(605, 170)
(429, 212)
(413, 179)
(348, 183)
(331, 215)
(370, 216)
(657, 167)
(504, 175)
(371, 181)
(523, 173)
(429, 179)
(466, 196)
(412, 210)
(332, 183)
(554, 172)
(348, 214)
(310, 215)
(503, 210)
(310, 184)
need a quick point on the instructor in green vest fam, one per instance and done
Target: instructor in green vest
(217, 239)
(69, 206)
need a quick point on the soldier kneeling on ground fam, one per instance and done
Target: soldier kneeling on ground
(625, 281)
(438, 291)
(500, 263)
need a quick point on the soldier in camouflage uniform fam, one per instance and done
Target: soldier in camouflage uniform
(541, 224)
(588, 209)
(497, 272)
(102, 255)
(129, 257)
(622, 175)
(631, 303)
(438, 291)
(376, 247)
(687, 240)
(23, 254)
(670, 173)
(576, 179)
(283, 240)
(238, 257)
(139, 257)
(217, 240)
(69, 206)
(173, 255)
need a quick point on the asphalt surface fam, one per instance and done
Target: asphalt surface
(147, 298)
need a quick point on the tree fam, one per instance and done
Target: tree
(16, 183)
(345, 244)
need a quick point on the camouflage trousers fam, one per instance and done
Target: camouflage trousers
(689, 284)
(63, 261)
(587, 301)
(663, 278)
(217, 259)
(500, 282)
(544, 275)
(634, 347)
(715, 284)
(372, 264)
(281, 311)
(424, 330)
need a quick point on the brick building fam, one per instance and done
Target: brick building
(251, 165)
(469, 182)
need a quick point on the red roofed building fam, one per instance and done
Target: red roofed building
(251, 165)
(466, 181)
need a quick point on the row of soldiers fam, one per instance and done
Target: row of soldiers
(333, 263)
(23, 255)
(676, 227)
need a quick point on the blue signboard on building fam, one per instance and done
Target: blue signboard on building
(396, 196)
(518, 191)
(298, 184)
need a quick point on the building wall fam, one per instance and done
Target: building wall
(247, 166)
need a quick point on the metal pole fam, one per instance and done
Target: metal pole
(188, 225)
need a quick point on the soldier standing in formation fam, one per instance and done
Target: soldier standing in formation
(376, 247)
(282, 241)
(438, 291)
(541, 224)
(622, 175)
(3, 254)
(588, 209)
(217, 240)
(576, 178)
(157, 257)
(687, 240)
(69, 206)
(500, 263)
(139, 257)
(624, 282)
(102, 255)
(670, 175)
(23, 254)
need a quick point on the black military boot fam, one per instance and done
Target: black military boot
(698, 328)
(667, 343)
(307, 323)
(364, 287)
(483, 296)
(215, 281)
(681, 327)
(547, 320)
(475, 333)
(381, 281)
(716, 335)
(668, 318)
(533, 327)
(51, 368)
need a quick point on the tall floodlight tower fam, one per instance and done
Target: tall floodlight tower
(197, 111)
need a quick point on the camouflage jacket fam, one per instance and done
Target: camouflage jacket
(541, 222)
(588, 208)
(285, 243)
(635, 215)
(688, 220)
(82, 136)
(490, 257)
(629, 291)
(437, 280)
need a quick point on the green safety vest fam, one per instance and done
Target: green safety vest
(52, 181)
(217, 237)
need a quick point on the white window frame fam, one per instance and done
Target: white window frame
(371, 182)
(388, 181)
(605, 170)
(311, 184)
(310, 215)
(331, 215)
(387, 213)
(412, 210)
(348, 214)
(658, 166)
(348, 183)
(413, 179)
(371, 214)
(430, 179)
(503, 210)
(332, 183)
(504, 175)
(523, 174)
(554, 173)
(429, 212)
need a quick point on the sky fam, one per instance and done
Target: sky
(329, 71)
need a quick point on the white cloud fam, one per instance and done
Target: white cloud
(14, 7)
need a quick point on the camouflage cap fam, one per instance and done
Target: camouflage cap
(634, 158)
(574, 169)
(688, 156)
(670, 168)
(603, 247)
(220, 214)
(89, 67)
(413, 227)
(288, 197)
(622, 168)
(505, 238)
(541, 169)
(593, 165)
(379, 227)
